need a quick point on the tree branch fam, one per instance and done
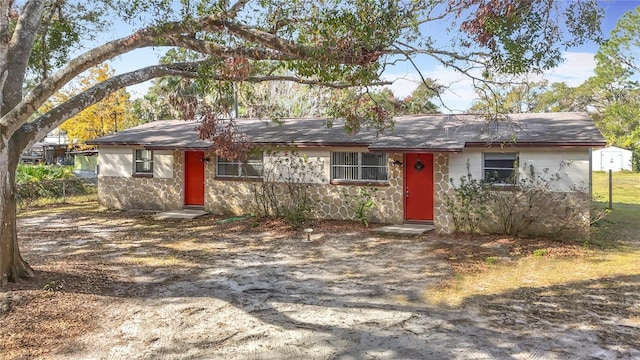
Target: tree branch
(211, 48)
(150, 37)
(40, 127)
(20, 47)
(256, 79)
(235, 8)
(32, 131)
(323, 55)
(142, 38)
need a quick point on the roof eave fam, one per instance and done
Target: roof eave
(149, 146)
(310, 144)
(536, 144)
(414, 150)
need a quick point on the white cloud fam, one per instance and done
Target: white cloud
(576, 68)
(456, 98)
(460, 93)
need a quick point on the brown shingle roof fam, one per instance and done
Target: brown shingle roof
(410, 133)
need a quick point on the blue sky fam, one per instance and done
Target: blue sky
(577, 67)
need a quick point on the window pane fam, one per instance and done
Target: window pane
(374, 173)
(143, 155)
(344, 158)
(499, 168)
(351, 173)
(374, 159)
(226, 168)
(358, 166)
(252, 167)
(501, 156)
(502, 164)
(143, 167)
(143, 161)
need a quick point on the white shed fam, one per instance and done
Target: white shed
(611, 158)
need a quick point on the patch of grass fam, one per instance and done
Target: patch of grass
(162, 261)
(85, 204)
(619, 226)
(617, 236)
(491, 260)
(536, 272)
(539, 252)
(626, 187)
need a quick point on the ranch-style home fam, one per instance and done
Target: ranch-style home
(164, 165)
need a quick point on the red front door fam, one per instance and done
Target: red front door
(194, 178)
(418, 194)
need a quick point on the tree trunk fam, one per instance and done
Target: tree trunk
(12, 266)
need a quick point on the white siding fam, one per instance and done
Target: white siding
(571, 164)
(115, 161)
(163, 164)
(270, 162)
(458, 165)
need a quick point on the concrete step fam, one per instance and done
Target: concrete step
(180, 214)
(404, 229)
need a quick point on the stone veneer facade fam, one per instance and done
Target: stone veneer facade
(237, 197)
(230, 196)
(441, 186)
(146, 193)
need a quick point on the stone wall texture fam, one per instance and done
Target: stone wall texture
(441, 186)
(230, 196)
(144, 193)
(237, 196)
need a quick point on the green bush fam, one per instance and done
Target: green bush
(361, 203)
(284, 191)
(527, 207)
(38, 173)
(467, 205)
(35, 182)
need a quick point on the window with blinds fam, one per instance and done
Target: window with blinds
(359, 166)
(251, 168)
(501, 168)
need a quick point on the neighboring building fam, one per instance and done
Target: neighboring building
(85, 163)
(51, 150)
(46, 153)
(612, 158)
(57, 136)
(164, 165)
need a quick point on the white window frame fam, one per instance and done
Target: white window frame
(138, 158)
(359, 167)
(513, 157)
(255, 161)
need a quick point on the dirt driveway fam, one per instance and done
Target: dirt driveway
(128, 287)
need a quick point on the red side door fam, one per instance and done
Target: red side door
(194, 178)
(418, 195)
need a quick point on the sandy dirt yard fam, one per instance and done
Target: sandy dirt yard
(113, 285)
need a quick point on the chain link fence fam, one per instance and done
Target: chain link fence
(56, 191)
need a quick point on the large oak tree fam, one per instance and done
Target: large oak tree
(611, 95)
(325, 42)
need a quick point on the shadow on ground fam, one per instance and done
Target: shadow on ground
(238, 290)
